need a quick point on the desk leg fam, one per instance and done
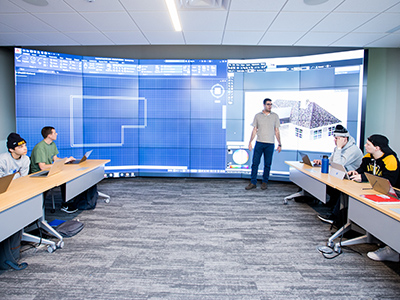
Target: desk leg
(45, 226)
(338, 233)
(367, 238)
(35, 239)
(292, 196)
(106, 197)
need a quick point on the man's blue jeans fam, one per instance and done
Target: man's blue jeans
(259, 149)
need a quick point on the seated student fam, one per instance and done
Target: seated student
(15, 161)
(42, 157)
(347, 154)
(380, 160)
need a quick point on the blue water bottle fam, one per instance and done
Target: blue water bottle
(325, 164)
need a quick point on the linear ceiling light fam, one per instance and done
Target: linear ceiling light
(173, 13)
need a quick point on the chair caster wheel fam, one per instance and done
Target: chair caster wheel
(50, 249)
(337, 248)
(60, 244)
(107, 200)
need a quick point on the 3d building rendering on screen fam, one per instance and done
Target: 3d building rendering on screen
(306, 119)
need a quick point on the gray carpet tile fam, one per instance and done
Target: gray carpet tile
(198, 239)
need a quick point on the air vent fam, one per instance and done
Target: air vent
(203, 4)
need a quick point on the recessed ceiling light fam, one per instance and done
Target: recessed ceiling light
(173, 13)
(314, 2)
(37, 2)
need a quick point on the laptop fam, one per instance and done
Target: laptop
(84, 158)
(5, 182)
(306, 160)
(338, 171)
(382, 185)
(56, 167)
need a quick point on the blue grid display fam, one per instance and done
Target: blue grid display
(174, 117)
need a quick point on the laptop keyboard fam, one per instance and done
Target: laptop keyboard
(43, 173)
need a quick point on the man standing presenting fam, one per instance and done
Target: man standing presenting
(266, 127)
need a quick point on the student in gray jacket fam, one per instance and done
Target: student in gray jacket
(346, 152)
(15, 160)
(350, 156)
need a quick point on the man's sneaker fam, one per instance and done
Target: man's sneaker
(264, 186)
(385, 253)
(327, 218)
(250, 186)
(69, 210)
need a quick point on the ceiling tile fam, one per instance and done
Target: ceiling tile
(376, 6)
(203, 20)
(53, 6)
(152, 5)
(165, 37)
(322, 39)
(242, 37)
(343, 22)
(286, 38)
(9, 7)
(25, 23)
(53, 38)
(257, 5)
(66, 21)
(19, 39)
(299, 5)
(291, 21)
(395, 9)
(250, 20)
(152, 21)
(381, 23)
(111, 21)
(5, 28)
(357, 39)
(391, 40)
(126, 37)
(89, 38)
(203, 37)
(99, 5)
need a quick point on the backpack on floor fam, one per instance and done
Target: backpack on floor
(10, 252)
(69, 228)
(87, 199)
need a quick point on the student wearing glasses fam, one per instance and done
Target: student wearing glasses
(266, 128)
(15, 160)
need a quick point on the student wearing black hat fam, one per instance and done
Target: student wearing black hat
(15, 160)
(380, 160)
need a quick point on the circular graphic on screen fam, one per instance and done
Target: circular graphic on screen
(240, 156)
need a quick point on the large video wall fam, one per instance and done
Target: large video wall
(185, 117)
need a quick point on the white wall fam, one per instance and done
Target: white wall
(383, 95)
(7, 95)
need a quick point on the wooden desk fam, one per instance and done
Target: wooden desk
(22, 204)
(378, 220)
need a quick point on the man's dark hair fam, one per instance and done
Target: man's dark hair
(46, 131)
(266, 99)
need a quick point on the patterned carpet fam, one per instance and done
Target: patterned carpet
(198, 239)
